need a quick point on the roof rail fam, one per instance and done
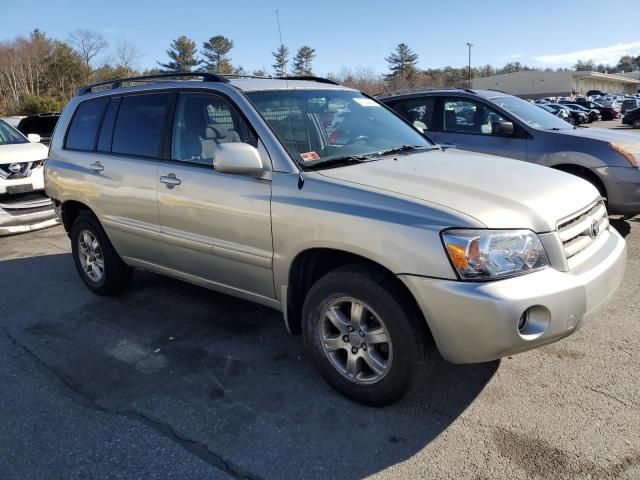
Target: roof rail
(310, 78)
(113, 84)
(418, 90)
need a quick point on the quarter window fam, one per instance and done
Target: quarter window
(84, 126)
(139, 125)
(419, 111)
(468, 116)
(202, 123)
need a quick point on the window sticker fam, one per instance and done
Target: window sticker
(366, 102)
(309, 156)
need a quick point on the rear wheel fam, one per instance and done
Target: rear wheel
(366, 336)
(100, 267)
(636, 123)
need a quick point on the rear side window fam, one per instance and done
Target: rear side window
(139, 125)
(84, 126)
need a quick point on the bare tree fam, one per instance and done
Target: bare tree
(89, 45)
(127, 54)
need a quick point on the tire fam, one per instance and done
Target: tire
(636, 123)
(408, 354)
(114, 275)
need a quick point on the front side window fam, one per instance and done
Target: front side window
(318, 126)
(202, 123)
(84, 126)
(10, 136)
(469, 116)
(140, 124)
(532, 115)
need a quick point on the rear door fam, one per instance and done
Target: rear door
(215, 226)
(468, 124)
(121, 165)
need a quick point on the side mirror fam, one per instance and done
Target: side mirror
(34, 138)
(238, 159)
(502, 128)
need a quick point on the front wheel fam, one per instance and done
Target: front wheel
(366, 336)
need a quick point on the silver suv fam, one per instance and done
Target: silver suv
(377, 245)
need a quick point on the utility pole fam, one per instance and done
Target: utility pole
(469, 45)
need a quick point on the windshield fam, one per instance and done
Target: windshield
(9, 135)
(532, 115)
(318, 126)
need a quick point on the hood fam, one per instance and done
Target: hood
(496, 191)
(22, 152)
(604, 134)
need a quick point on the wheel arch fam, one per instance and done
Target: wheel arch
(584, 173)
(70, 210)
(311, 264)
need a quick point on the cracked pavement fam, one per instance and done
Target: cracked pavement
(174, 381)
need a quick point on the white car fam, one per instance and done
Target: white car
(23, 204)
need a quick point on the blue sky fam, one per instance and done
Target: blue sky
(352, 33)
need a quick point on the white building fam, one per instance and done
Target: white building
(537, 84)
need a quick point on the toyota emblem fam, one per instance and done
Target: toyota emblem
(15, 167)
(594, 229)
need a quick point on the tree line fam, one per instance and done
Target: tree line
(39, 73)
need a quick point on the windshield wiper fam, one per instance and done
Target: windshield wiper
(339, 161)
(402, 149)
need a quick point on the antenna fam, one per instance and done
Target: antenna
(284, 65)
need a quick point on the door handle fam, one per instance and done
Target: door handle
(170, 180)
(96, 167)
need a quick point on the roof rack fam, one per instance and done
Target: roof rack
(113, 84)
(309, 78)
(421, 89)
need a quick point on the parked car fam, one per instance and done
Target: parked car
(593, 114)
(13, 120)
(632, 118)
(561, 113)
(375, 243)
(577, 117)
(606, 113)
(508, 126)
(592, 93)
(23, 205)
(41, 124)
(627, 105)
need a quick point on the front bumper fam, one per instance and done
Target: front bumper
(623, 189)
(477, 322)
(26, 216)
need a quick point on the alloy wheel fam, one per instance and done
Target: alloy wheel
(90, 255)
(356, 341)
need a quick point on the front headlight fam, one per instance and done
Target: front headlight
(494, 254)
(630, 152)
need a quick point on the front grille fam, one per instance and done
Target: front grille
(11, 171)
(582, 230)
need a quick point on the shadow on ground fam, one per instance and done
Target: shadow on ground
(219, 375)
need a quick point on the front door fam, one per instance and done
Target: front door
(215, 226)
(469, 125)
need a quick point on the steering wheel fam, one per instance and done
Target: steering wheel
(359, 138)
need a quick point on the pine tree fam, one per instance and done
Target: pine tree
(402, 62)
(215, 51)
(182, 54)
(302, 61)
(282, 58)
